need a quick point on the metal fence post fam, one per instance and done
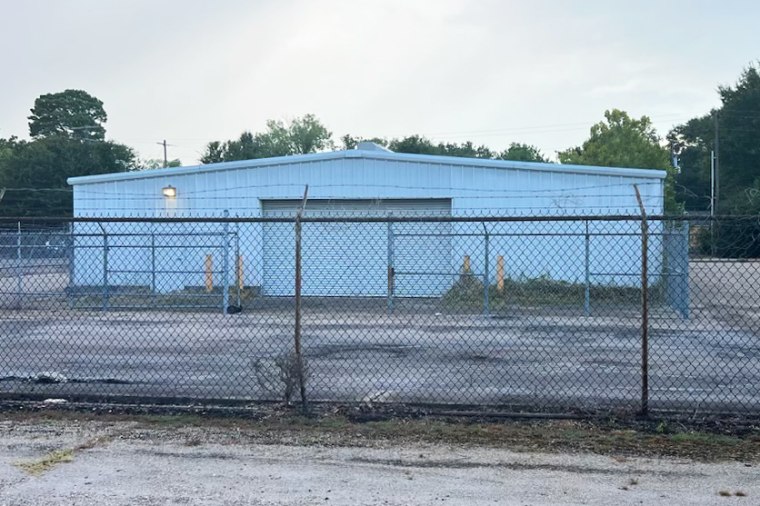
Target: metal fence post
(391, 271)
(684, 278)
(587, 275)
(105, 270)
(644, 306)
(71, 254)
(297, 289)
(226, 264)
(19, 270)
(486, 276)
(238, 266)
(153, 263)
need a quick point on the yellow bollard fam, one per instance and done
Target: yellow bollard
(209, 273)
(239, 272)
(500, 273)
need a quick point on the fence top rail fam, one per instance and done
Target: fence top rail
(368, 219)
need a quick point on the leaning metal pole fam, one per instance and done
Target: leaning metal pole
(644, 306)
(297, 336)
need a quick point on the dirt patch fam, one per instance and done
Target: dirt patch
(512, 466)
(41, 465)
(335, 426)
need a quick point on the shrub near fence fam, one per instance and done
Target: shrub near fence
(533, 313)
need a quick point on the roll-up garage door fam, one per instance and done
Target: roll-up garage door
(351, 258)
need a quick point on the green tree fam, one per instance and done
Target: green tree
(300, 136)
(692, 143)
(622, 141)
(215, 152)
(739, 127)
(466, 149)
(414, 144)
(35, 173)
(523, 153)
(738, 121)
(351, 142)
(67, 140)
(246, 147)
(417, 144)
(303, 135)
(72, 113)
(155, 163)
(7, 151)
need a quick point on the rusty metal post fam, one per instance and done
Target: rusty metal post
(106, 293)
(644, 306)
(297, 336)
(486, 271)
(19, 269)
(391, 270)
(587, 274)
(226, 264)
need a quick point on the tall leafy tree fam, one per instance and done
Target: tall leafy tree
(67, 140)
(738, 121)
(304, 135)
(418, 144)
(301, 136)
(7, 151)
(36, 173)
(622, 141)
(71, 113)
(308, 135)
(692, 142)
(523, 153)
(739, 129)
(414, 144)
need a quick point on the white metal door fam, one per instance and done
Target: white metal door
(344, 259)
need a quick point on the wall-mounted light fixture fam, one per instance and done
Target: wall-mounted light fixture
(169, 192)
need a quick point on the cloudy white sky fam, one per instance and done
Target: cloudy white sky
(490, 71)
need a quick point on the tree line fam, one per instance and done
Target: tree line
(68, 138)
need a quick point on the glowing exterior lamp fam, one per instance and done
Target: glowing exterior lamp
(169, 192)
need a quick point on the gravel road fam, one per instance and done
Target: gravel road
(121, 464)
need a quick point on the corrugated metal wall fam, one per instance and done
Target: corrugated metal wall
(472, 190)
(481, 190)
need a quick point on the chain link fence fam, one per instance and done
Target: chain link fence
(595, 313)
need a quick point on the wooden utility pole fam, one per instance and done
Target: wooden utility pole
(166, 158)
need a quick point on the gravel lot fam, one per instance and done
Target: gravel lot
(123, 463)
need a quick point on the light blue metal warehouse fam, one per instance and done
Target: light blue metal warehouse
(349, 258)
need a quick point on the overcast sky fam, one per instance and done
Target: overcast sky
(490, 71)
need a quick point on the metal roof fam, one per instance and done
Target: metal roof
(374, 154)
